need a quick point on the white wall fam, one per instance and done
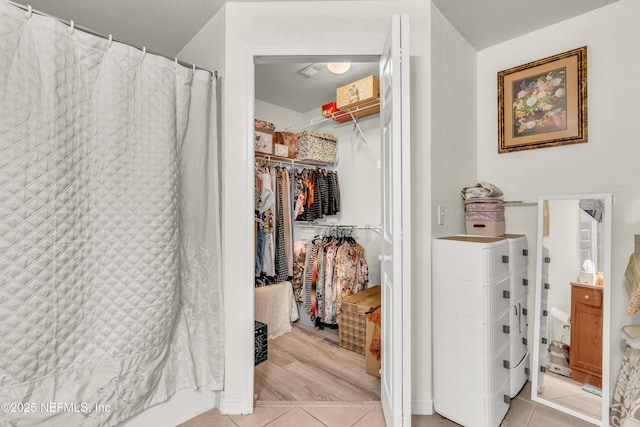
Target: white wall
(207, 48)
(281, 117)
(608, 163)
(453, 118)
(310, 28)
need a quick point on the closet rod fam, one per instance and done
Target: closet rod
(314, 224)
(285, 160)
(29, 9)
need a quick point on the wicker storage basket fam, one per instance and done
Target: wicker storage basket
(352, 324)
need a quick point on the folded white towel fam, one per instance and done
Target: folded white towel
(481, 189)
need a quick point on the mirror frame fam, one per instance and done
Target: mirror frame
(606, 320)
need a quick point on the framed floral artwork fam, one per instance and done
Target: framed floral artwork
(543, 103)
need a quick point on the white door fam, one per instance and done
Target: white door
(395, 250)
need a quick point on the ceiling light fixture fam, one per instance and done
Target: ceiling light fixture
(339, 67)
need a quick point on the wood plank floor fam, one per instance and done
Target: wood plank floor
(305, 366)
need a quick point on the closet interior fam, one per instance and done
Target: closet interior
(317, 233)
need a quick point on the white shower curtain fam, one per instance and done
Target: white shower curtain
(110, 293)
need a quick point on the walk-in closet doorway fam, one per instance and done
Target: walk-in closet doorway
(305, 359)
(394, 255)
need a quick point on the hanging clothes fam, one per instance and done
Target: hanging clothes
(299, 256)
(317, 194)
(284, 195)
(335, 267)
(265, 197)
(281, 252)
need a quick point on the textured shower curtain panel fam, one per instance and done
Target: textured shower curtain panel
(110, 295)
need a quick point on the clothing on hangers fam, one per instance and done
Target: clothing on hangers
(335, 267)
(284, 195)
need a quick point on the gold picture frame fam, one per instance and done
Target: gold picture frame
(543, 103)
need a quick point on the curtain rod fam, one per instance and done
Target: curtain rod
(71, 24)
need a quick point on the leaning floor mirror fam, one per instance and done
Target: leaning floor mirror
(572, 299)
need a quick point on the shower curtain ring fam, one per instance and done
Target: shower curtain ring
(110, 40)
(29, 11)
(72, 26)
(144, 51)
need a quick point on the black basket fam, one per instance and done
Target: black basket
(261, 343)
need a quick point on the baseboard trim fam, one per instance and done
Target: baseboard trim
(235, 406)
(182, 406)
(422, 407)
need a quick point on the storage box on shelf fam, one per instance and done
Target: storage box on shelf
(290, 141)
(264, 125)
(352, 324)
(317, 146)
(331, 111)
(263, 137)
(280, 150)
(362, 97)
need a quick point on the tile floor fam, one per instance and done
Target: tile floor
(568, 393)
(523, 413)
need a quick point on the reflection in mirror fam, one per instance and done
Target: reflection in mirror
(571, 306)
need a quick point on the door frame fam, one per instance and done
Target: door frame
(366, 52)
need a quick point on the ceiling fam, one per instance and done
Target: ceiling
(484, 23)
(283, 85)
(162, 26)
(166, 26)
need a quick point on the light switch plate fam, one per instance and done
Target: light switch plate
(440, 215)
